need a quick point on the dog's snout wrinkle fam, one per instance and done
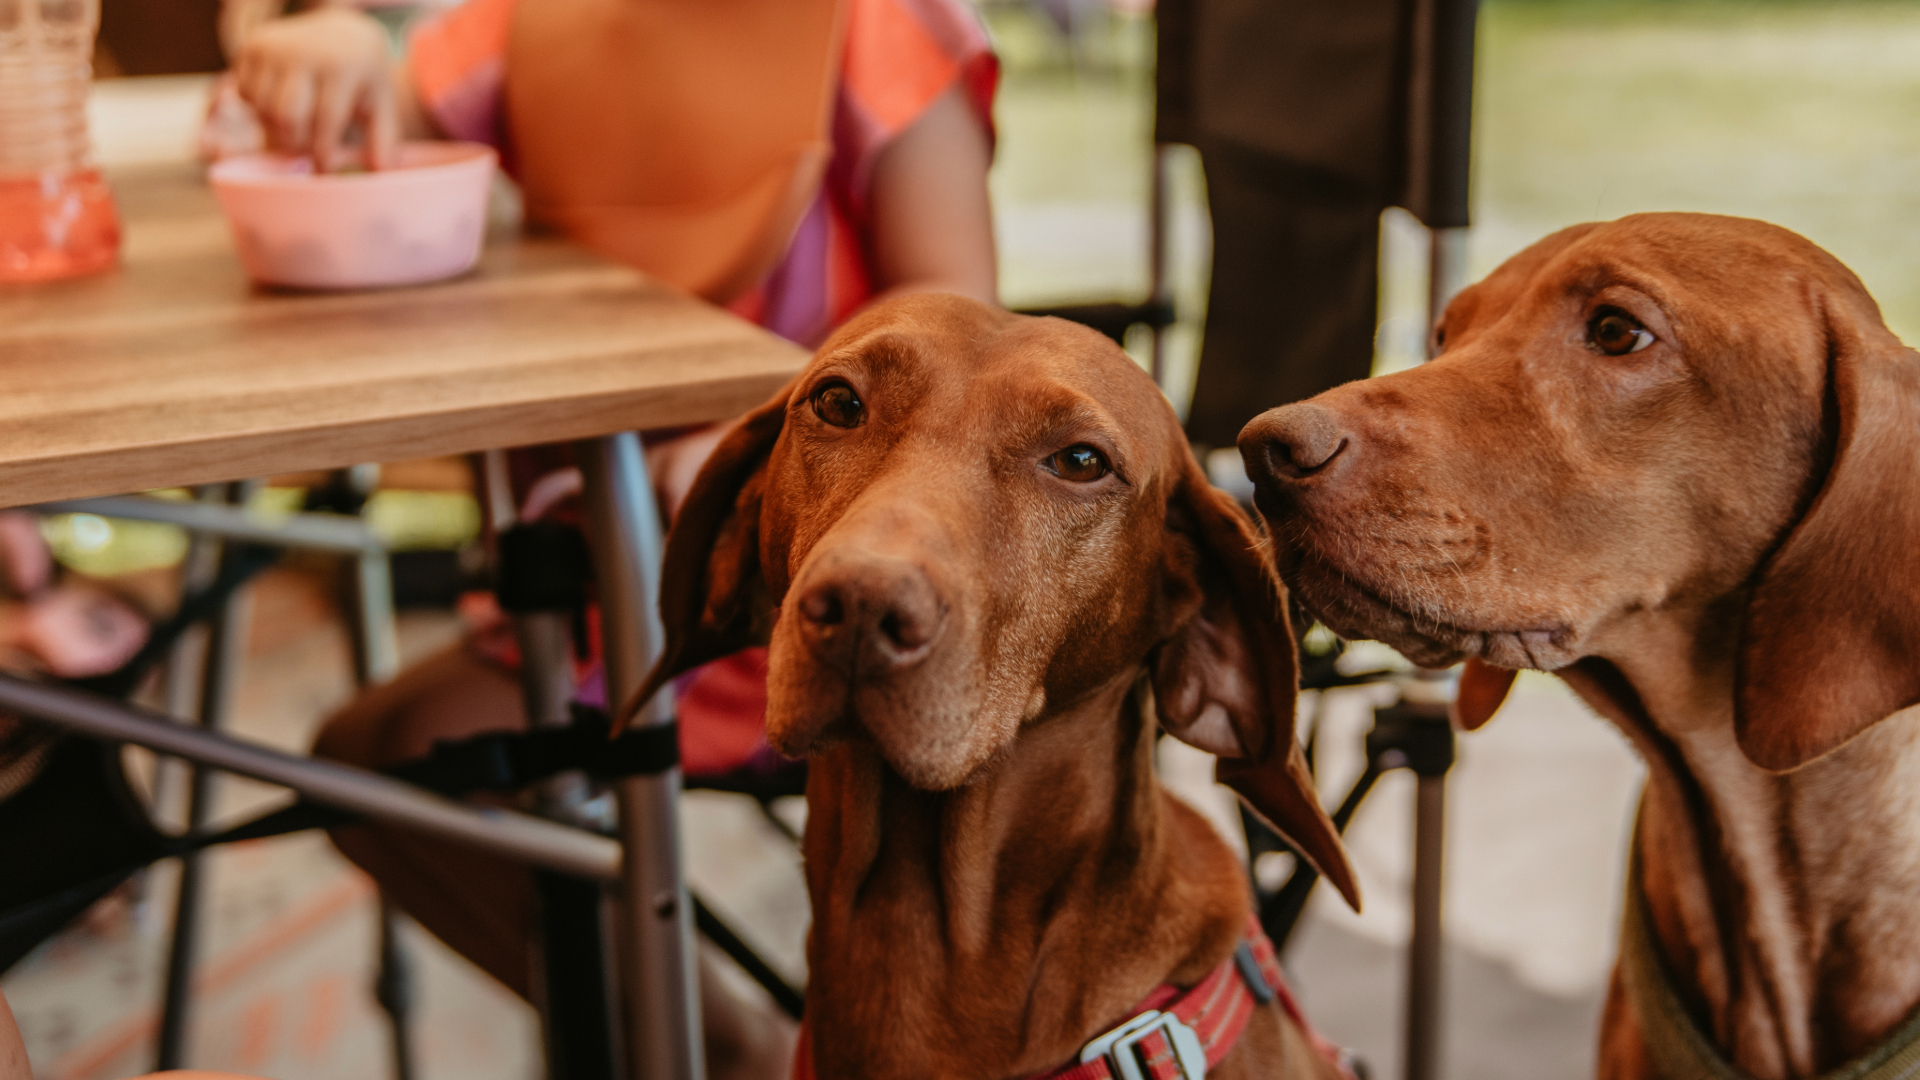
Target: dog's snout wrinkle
(868, 615)
(1293, 442)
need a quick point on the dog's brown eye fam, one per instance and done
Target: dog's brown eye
(1617, 335)
(837, 404)
(1079, 463)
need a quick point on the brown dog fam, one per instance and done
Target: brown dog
(1676, 459)
(978, 544)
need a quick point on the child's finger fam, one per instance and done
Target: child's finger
(248, 76)
(382, 122)
(333, 96)
(231, 126)
(293, 108)
(241, 72)
(263, 94)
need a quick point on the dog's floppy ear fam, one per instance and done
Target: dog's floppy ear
(1831, 640)
(1226, 678)
(713, 598)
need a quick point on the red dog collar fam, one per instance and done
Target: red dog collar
(1179, 1036)
(1175, 1035)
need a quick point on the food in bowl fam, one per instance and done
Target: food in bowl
(421, 220)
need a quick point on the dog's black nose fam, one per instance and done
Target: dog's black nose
(1292, 442)
(866, 614)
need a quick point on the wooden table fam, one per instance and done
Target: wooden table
(176, 370)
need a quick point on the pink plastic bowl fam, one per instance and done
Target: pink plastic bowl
(421, 221)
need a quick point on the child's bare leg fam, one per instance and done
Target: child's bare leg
(483, 906)
(479, 904)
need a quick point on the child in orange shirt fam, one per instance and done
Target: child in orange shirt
(895, 200)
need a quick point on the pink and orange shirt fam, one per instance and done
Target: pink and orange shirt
(899, 57)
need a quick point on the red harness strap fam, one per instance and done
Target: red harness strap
(1215, 1011)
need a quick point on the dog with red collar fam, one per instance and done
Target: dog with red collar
(989, 572)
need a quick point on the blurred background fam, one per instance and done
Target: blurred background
(1795, 111)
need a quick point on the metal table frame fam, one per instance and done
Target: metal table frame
(659, 1002)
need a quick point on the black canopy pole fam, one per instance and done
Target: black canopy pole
(1440, 158)
(1440, 136)
(1449, 111)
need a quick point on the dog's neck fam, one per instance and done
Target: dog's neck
(1783, 904)
(990, 930)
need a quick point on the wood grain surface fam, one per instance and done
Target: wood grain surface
(175, 369)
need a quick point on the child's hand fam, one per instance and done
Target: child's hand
(75, 630)
(309, 76)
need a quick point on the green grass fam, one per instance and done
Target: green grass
(1799, 113)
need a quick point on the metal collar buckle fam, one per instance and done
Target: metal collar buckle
(1117, 1046)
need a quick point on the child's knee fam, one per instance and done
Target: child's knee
(450, 695)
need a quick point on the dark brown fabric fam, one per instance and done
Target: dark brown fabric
(1299, 111)
(1173, 120)
(1319, 83)
(1295, 293)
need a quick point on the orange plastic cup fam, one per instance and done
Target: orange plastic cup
(58, 224)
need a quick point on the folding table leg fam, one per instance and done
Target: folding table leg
(655, 927)
(541, 583)
(541, 576)
(226, 650)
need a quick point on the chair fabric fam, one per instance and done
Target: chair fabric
(1299, 110)
(1295, 294)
